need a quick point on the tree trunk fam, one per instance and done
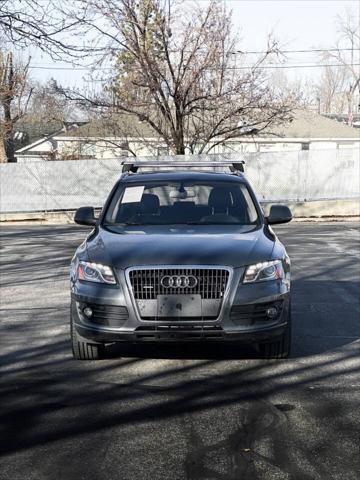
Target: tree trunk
(180, 141)
(10, 149)
(3, 157)
(8, 131)
(180, 149)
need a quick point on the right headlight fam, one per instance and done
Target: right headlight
(95, 272)
(263, 271)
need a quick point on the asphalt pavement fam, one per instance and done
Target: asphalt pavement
(180, 412)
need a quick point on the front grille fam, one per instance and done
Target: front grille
(146, 283)
(255, 312)
(106, 315)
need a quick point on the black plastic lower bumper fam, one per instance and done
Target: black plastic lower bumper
(178, 334)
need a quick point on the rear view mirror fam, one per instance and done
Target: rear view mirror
(182, 194)
(85, 216)
(279, 214)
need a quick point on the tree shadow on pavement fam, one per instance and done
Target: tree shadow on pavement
(225, 410)
(199, 412)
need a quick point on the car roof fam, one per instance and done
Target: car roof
(181, 176)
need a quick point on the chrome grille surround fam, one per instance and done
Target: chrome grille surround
(213, 283)
(147, 283)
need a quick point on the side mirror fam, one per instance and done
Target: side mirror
(279, 214)
(85, 216)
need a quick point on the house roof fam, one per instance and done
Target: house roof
(39, 142)
(305, 125)
(311, 125)
(35, 130)
(344, 118)
(122, 126)
(29, 131)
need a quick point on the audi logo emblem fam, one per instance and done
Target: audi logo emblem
(178, 281)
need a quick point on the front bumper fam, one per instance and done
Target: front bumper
(227, 327)
(180, 334)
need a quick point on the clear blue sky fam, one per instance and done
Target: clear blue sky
(298, 24)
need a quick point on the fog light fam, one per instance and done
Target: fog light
(88, 312)
(272, 312)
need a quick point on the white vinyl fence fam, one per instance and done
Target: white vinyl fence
(279, 176)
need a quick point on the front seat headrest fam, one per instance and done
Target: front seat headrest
(149, 204)
(220, 199)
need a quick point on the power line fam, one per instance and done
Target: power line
(260, 52)
(311, 50)
(269, 67)
(84, 69)
(237, 52)
(243, 67)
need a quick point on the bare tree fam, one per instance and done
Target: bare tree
(47, 106)
(331, 89)
(14, 99)
(177, 71)
(339, 89)
(47, 24)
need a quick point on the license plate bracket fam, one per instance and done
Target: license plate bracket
(179, 305)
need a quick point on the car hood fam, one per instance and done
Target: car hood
(180, 245)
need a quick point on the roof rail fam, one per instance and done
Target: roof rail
(133, 165)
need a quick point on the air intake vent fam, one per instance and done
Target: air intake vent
(106, 315)
(256, 312)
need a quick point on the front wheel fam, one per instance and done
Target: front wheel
(81, 348)
(279, 348)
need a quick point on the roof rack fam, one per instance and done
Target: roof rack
(133, 166)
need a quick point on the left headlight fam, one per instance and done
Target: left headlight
(263, 271)
(95, 272)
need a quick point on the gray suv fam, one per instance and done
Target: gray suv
(181, 255)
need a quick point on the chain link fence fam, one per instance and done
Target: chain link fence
(276, 177)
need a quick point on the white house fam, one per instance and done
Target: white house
(106, 138)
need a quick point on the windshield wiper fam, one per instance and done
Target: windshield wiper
(122, 224)
(213, 223)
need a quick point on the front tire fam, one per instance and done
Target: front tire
(81, 348)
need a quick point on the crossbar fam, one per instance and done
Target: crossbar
(133, 166)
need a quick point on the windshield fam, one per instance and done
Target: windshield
(182, 202)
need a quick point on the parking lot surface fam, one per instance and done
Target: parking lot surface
(180, 412)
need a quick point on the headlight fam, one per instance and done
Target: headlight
(260, 272)
(95, 272)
